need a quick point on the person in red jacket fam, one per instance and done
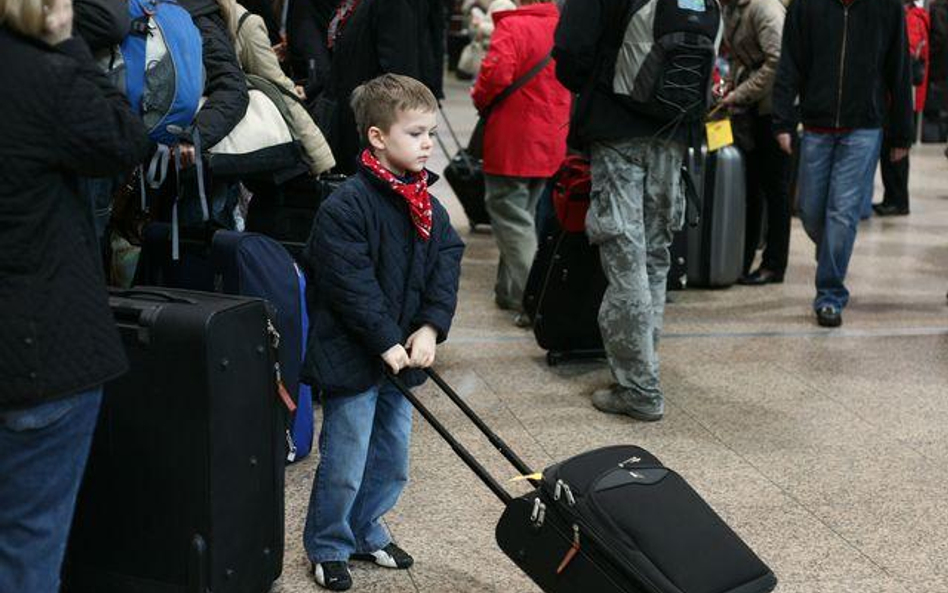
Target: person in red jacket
(525, 137)
(895, 175)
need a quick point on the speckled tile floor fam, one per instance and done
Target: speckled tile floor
(827, 450)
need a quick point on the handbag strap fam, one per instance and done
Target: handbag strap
(517, 84)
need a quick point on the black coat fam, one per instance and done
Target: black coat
(225, 85)
(382, 36)
(62, 119)
(373, 281)
(101, 23)
(862, 83)
(307, 24)
(586, 45)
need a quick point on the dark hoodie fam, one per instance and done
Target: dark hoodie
(225, 86)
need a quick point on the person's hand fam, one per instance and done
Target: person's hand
(188, 155)
(785, 142)
(280, 50)
(897, 154)
(396, 358)
(729, 100)
(57, 23)
(300, 92)
(422, 345)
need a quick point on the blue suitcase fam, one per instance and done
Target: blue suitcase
(246, 264)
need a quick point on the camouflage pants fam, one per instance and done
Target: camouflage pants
(636, 205)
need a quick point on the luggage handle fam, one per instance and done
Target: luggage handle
(159, 296)
(458, 448)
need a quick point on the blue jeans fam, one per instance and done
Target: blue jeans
(363, 468)
(43, 452)
(832, 191)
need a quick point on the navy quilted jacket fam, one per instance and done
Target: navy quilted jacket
(373, 281)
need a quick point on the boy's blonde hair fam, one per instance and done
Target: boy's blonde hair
(378, 101)
(24, 16)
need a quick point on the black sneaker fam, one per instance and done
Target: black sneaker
(333, 575)
(391, 556)
(829, 316)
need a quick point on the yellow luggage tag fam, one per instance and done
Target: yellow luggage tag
(719, 132)
(536, 476)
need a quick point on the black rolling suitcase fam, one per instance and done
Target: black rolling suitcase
(611, 520)
(565, 286)
(184, 487)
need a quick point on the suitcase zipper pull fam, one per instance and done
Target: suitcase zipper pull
(282, 391)
(290, 447)
(569, 495)
(558, 490)
(571, 552)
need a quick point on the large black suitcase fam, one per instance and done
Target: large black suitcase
(563, 295)
(184, 487)
(611, 520)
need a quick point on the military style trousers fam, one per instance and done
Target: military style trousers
(636, 204)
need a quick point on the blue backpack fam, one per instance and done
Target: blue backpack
(164, 72)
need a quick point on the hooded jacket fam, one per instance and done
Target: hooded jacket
(526, 132)
(848, 64)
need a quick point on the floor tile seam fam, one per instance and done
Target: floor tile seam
(805, 508)
(911, 332)
(517, 418)
(886, 432)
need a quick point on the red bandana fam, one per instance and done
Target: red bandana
(415, 192)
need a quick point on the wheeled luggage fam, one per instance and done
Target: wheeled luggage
(184, 488)
(247, 264)
(611, 520)
(678, 268)
(716, 245)
(465, 175)
(566, 283)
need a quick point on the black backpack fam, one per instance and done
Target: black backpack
(665, 57)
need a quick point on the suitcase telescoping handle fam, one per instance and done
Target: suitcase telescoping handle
(458, 448)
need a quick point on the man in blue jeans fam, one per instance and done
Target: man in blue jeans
(846, 62)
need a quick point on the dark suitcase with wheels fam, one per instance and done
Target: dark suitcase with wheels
(184, 487)
(566, 282)
(611, 520)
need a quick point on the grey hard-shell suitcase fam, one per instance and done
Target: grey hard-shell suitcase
(716, 245)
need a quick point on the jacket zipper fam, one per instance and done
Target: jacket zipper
(842, 64)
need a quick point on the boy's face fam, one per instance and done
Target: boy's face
(406, 146)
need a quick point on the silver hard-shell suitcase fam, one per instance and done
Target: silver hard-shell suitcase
(716, 245)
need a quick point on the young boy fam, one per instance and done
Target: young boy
(383, 263)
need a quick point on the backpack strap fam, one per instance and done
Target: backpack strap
(240, 22)
(517, 84)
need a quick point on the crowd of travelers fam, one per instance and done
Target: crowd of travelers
(818, 93)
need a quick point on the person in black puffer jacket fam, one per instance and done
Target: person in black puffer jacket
(58, 341)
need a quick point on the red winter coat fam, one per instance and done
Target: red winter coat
(526, 133)
(918, 24)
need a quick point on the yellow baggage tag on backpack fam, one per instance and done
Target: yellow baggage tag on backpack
(719, 134)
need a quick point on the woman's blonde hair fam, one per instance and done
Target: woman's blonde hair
(25, 16)
(228, 10)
